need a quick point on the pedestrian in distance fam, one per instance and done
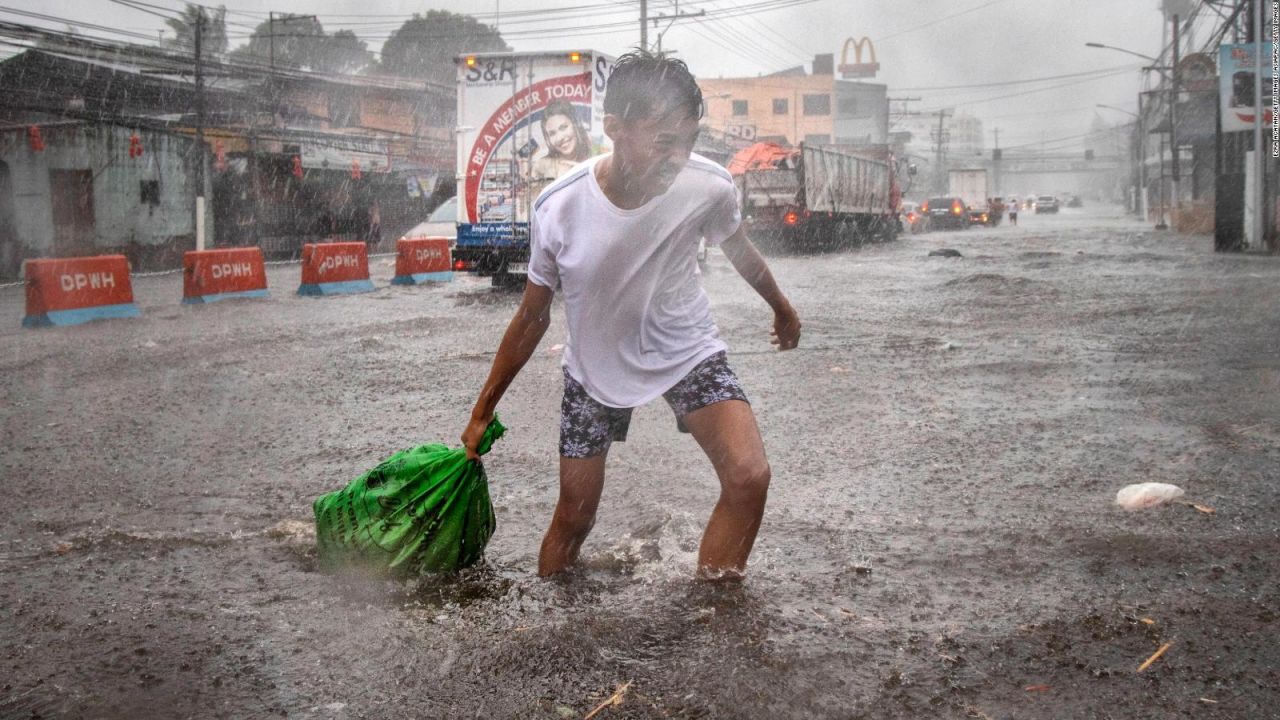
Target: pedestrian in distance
(1013, 212)
(618, 237)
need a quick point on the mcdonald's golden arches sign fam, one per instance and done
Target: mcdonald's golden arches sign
(858, 68)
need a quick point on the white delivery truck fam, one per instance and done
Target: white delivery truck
(523, 120)
(970, 185)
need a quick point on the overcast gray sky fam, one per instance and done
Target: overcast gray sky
(919, 43)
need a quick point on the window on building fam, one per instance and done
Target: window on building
(780, 106)
(848, 106)
(817, 139)
(817, 104)
(739, 107)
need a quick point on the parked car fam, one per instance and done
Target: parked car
(912, 219)
(1046, 204)
(946, 212)
(441, 223)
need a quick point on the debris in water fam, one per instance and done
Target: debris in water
(614, 700)
(945, 252)
(1155, 656)
(1202, 508)
(1146, 621)
(838, 369)
(299, 530)
(1036, 688)
(1144, 495)
(974, 712)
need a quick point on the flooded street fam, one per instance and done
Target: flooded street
(941, 537)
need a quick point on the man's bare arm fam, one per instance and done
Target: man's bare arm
(746, 259)
(524, 332)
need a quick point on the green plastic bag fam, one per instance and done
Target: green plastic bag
(422, 510)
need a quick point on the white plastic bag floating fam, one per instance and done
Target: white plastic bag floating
(1144, 495)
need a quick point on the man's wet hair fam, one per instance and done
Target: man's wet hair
(646, 84)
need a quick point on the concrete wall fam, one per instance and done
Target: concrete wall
(861, 113)
(759, 93)
(121, 218)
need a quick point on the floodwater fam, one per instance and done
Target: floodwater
(940, 540)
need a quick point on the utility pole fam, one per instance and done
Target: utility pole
(1142, 161)
(996, 157)
(199, 39)
(1173, 133)
(271, 33)
(904, 101)
(671, 20)
(939, 142)
(644, 24)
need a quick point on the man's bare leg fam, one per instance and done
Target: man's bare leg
(728, 434)
(581, 482)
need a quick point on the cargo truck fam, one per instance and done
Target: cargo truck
(817, 196)
(523, 119)
(970, 185)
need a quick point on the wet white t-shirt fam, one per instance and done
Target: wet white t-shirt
(638, 318)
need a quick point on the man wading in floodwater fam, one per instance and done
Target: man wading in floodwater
(619, 235)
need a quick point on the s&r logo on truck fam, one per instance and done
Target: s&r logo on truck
(491, 71)
(601, 73)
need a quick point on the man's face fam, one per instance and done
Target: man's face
(652, 151)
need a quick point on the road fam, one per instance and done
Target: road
(941, 537)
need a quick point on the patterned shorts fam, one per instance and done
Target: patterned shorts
(588, 428)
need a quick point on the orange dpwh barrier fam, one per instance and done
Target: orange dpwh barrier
(421, 260)
(212, 275)
(69, 291)
(335, 268)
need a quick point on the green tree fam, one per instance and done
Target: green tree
(425, 45)
(214, 38)
(300, 41)
(344, 53)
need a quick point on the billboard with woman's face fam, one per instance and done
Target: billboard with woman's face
(525, 121)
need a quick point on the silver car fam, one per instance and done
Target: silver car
(441, 223)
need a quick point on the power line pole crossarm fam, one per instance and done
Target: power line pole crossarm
(644, 22)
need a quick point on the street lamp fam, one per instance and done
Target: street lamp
(1112, 47)
(1113, 107)
(1172, 77)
